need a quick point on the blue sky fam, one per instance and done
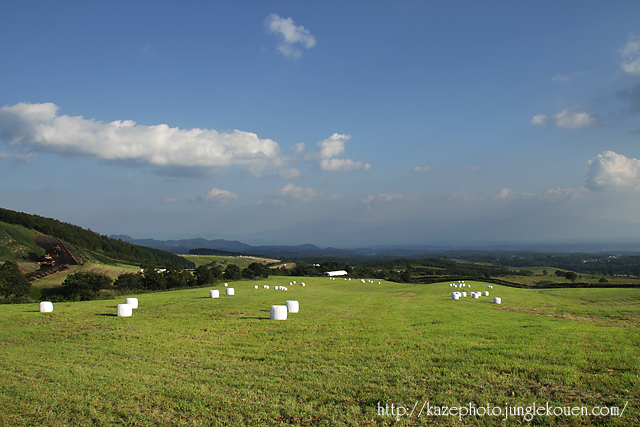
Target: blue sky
(333, 123)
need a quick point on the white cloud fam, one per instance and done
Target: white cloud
(291, 34)
(333, 145)
(565, 193)
(3, 155)
(291, 191)
(613, 171)
(342, 165)
(566, 119)
(289, 173)
(217, 195)
(540, 119)
(170, 200)
(38, 127)
(503, 194)
(631, 53)
(422, 169)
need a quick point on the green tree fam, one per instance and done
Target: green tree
(203, 276)
(571, 276)
(12, 281)
(232, 272)
(128, 282)
(85, 285)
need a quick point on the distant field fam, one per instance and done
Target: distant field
(112, 271)
(188, 360)
(223, 261)
(551, 277)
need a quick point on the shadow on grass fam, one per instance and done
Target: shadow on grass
(106, 314)
(254, 318)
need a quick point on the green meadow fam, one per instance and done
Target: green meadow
(354, 350)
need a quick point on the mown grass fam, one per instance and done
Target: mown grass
(186, 359)
(112, 271)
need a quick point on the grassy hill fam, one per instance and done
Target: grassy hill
(185, 359)
(19, 230)
(17, 241)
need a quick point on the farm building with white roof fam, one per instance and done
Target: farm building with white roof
(336, 273)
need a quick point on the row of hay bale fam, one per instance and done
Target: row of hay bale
(455, 295)
(122, 310)
(460, 284)
(279, 312)
(216, 293)
(126, 309)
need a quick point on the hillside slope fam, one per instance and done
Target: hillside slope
(19, 230)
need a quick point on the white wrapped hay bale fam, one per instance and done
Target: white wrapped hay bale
(486, 293)
(455, 296)
(133, 302)
(303, 284)
(255, 286)
(497, 300)
(278, 312)
(214, 294)
(46, 307)
(292, 306)
(124, 310)
(474, 295)
(464, 294)
(231, 291)
(226, 284)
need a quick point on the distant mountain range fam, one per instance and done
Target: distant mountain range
(183, 246)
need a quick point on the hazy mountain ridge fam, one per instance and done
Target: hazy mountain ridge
(182, 246)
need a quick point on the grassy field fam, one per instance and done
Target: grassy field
(353, 349)
(551, 277)
(223, 261)
(112, 271)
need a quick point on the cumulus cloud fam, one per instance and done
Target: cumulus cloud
(295, 192)
(342, 165)
(613, 171)
(503, 194)
(291, 35)
(572, 120)
(631, 54)
(566, 119)
(540, 119)
(217, 195)
(38, 127)
(326, 151)
(170, 200)
(332, 146)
